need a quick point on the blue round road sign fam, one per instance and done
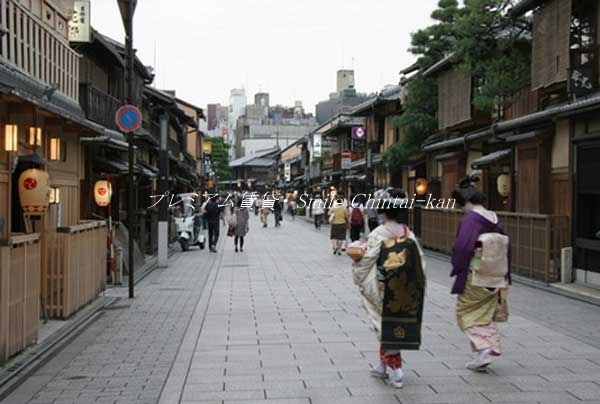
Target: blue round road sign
(129, 118)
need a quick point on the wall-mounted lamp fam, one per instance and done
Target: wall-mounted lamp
(35, 137)
(11, 138)
(54, 195)
(421, 186)
(54, 152)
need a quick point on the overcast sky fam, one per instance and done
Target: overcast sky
(291, 49)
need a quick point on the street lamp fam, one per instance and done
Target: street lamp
(127, 9)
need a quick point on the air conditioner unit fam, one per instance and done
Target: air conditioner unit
(566, 265)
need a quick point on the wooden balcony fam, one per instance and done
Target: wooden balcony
(98, 106)
(19, 293)
(38, 50)
(536, 240)
(74, 263)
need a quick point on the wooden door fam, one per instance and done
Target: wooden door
(528, 180)
(449, 178)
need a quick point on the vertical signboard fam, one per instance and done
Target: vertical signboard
(79, 24)
(317, 145)
(288, 172)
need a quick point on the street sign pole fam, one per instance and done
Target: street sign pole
(127, 8)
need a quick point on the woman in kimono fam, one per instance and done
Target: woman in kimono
(476, 306)
(391, 280)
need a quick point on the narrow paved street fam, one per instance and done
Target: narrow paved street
(282, 323)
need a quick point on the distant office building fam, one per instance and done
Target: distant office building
(345, 80)
(262, 99)
(211, 116)
(237, 109)
(343, 100)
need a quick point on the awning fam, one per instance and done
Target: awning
(111, 139)
(512, 137)
(119, 166)
(447, 156)
(459, 141)
(490, 158)
(183, 181)
(356, 177)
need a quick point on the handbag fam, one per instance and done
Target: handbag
(233, 220)
(501, 313)
(230, 231)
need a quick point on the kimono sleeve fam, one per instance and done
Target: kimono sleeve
(368, 263)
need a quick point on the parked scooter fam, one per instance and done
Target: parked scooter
(189, 227)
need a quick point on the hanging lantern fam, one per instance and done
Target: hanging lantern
(102, 193)
(34, 191)
(504, 185)
(421, 186)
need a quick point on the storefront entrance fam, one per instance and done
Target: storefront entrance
(586, 224)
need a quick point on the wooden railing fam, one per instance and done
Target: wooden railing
(536, 240)
(74, 267)
(98, 106)
(37, 50)
(19, 293)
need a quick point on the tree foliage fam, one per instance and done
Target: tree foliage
(220, 157)
(487, 44)
(418, 121)
(494, 49)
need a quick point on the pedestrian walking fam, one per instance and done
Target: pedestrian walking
(339, 219)
(318, 210)
(357, 219)
(213, 215)
(242, 219)
(481, 267)
(391, 279)
(277, 209)
(257, 206)
(264, 211)
(291, 208)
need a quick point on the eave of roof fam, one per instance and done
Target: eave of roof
(523, 7)
(439, 66)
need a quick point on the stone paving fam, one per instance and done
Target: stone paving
(282, 323)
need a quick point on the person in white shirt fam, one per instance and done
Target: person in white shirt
(318, 210)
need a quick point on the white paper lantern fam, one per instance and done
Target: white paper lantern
(34, 191)
(102, 193)
(504, 186)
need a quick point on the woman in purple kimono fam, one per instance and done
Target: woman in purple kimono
(476, 306)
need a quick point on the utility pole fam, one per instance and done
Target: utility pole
(127, 9)
(163, 188)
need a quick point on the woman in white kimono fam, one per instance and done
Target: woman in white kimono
(392, 239)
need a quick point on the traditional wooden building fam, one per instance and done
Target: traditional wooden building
(327, 143)
(535, 155)
(565, 82)
(379, 113)
(42, 253)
